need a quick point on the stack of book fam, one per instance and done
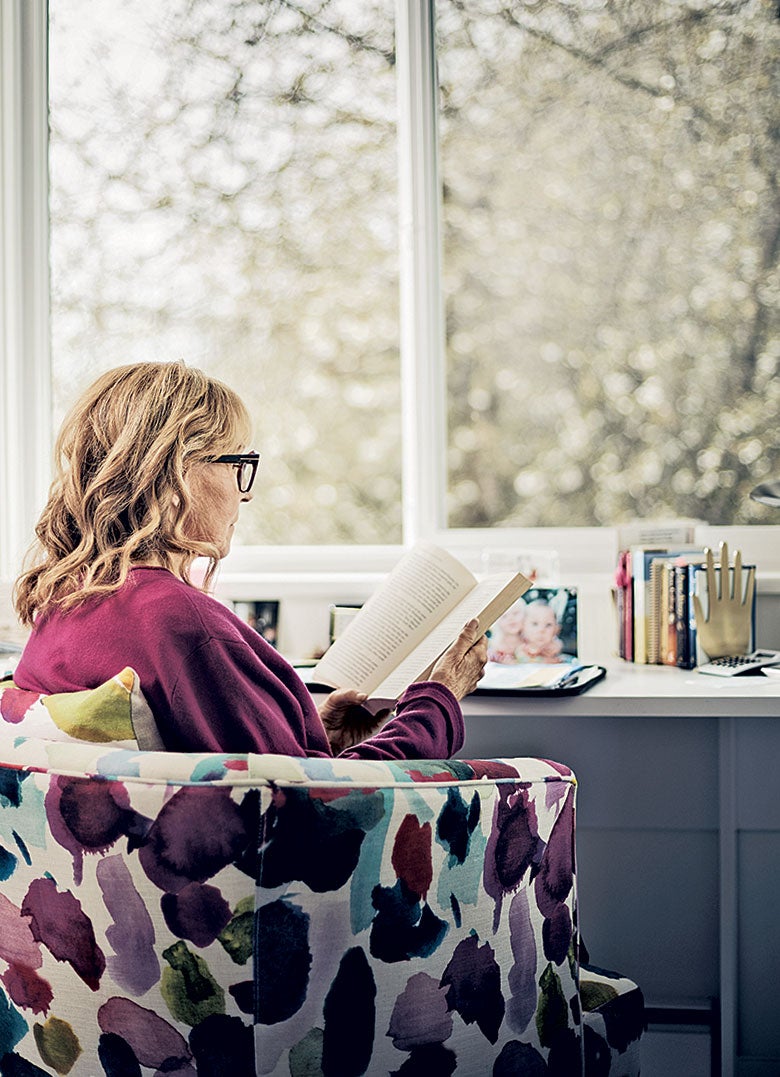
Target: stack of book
(654, 589)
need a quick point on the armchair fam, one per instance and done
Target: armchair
(242, 914)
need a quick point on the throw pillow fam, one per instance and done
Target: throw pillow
(114, 713)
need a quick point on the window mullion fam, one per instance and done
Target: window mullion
(422, 325)
(25, 431)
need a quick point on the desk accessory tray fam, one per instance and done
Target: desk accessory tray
(577, 681)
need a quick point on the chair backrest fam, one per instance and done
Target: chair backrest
(220, 914)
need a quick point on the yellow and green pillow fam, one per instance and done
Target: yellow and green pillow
(115, 713)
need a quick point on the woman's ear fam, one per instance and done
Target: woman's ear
(175, 500)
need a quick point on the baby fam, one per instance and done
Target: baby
(540, 637)
(508, 635)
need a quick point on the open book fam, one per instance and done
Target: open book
(411, 619)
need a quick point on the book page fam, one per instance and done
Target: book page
(425, 585)
(486, 601)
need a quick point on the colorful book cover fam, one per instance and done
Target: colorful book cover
(625, 606)
(685, 622)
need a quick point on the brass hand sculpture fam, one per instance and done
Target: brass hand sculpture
(725, 630)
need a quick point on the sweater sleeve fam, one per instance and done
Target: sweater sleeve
(428, 724)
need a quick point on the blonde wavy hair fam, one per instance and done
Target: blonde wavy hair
(119, 495)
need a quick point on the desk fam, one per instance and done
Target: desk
(678, 834)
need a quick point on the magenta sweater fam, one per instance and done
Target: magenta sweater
(213, 683)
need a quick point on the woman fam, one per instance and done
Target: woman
(152, 470)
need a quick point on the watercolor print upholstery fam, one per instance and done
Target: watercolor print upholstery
(186, 914)
(613, 1012)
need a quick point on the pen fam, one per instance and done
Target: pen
(571, 675)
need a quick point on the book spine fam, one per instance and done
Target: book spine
(659, 631)
(623, 605)
(629, 609)
(682, 576)
(640, 564)
(694, 656)
(670, 651)
(641, 560)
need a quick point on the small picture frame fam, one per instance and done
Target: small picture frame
(540, 627)
(263, 616)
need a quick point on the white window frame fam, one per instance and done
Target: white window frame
(25, 353)
(25, 378)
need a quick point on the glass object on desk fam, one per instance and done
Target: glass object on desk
(340, 617)
(539, 566)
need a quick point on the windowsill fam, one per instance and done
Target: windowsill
(580, 551)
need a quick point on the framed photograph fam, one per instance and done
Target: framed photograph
(262, 616)
(541, 627)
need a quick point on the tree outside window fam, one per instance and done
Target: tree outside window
(611, 224)
(224, 190)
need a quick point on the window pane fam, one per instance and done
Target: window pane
(611, 228)
(223, 189)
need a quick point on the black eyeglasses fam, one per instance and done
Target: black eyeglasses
(245, 463)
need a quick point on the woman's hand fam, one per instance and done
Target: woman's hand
(461, 667)
(346, 721)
